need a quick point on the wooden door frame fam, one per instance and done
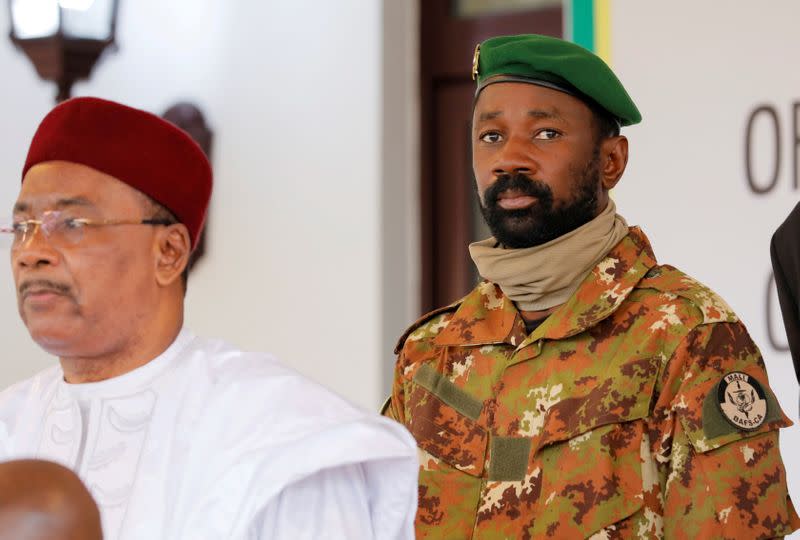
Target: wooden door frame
(446, 47)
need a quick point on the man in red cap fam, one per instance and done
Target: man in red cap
(176, 436)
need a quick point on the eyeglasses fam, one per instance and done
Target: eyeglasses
(64, 230)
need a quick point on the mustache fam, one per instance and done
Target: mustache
(45, 284)
(521, 183)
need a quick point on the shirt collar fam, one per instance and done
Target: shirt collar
(133, 380)
(487, 316)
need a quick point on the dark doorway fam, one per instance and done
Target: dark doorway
(449, 31)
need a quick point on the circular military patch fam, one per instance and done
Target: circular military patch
(742, 401)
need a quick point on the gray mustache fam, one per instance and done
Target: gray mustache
(44, 284)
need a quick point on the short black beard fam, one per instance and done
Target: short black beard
(545, 220)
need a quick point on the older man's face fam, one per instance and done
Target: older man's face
(89, 294)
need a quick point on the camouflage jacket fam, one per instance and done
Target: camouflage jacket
(615, 418)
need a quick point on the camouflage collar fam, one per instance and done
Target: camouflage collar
(603, 290)
(487, 316)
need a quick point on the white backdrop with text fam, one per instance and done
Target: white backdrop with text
(716, 81)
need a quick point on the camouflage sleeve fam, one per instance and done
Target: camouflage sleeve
(394, 406)
(717, 453)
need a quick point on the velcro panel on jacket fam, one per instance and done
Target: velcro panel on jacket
(508, 458)
(436, 383)
(710, 422)
(445, 432)
(623, 394)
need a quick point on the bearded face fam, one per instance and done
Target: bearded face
(542, 160)
(546, 218)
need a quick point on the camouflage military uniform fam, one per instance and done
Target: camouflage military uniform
(599, 423)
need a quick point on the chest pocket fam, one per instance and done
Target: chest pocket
(594, 456)
(442, 418)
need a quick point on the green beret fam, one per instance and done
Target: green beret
(557, 64)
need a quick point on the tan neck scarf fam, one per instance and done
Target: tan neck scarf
(545, 276)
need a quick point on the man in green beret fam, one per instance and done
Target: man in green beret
(582, 389)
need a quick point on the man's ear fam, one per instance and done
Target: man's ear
(614, 159)
(173, 247)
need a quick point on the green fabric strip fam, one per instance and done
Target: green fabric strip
(583, 23)
(438, 385)
(714, 423)
(509, 458)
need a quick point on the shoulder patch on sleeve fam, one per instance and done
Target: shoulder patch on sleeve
(666, 278)
(735, 407)
(422, 320)
(740, 401)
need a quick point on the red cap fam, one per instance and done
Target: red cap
(134, 146)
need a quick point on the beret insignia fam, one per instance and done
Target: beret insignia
(475, 57)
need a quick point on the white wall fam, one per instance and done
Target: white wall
(293, 90)
(400, 286)
(23, 101)
(697, 70)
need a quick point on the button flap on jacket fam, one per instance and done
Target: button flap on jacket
(623, 394)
